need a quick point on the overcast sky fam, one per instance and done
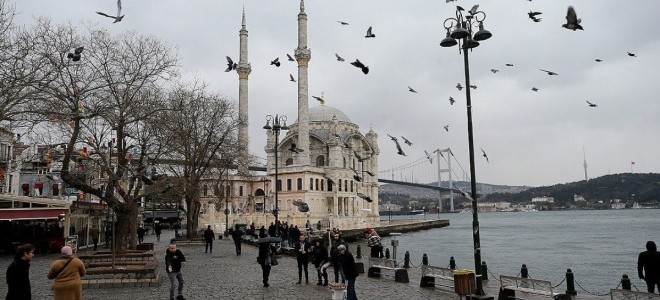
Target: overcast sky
(531, 138)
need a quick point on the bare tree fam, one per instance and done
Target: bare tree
(203, 132)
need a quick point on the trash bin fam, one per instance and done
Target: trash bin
(464, 282)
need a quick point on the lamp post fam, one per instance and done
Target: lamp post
(278, 123)
(463, 32)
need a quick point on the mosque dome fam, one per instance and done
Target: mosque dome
(323, 113)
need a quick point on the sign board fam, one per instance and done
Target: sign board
(72, 241)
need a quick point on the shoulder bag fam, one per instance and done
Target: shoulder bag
(62, 269)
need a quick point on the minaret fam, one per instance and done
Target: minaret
(584, 153)
(243, 69)
(303, 55)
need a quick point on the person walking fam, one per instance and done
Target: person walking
(140, 233)
(157, 229)
(174, 260)
(209, 236)
(648, 266)
(347, 262)
(319, 259)
(334, 257)
(18, 274)
(67, 271)
(94, 233)
(373, 242)
(302, 249)
(264, 257)
(237, 236)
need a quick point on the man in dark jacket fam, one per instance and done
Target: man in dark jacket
(334, 257)
(18, 274)
(320, 257)
(237, 235)
(303, 248)
(209, 236)
(648, 266)
(174, 259)
(347, 262)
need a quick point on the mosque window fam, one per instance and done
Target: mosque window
(322, 184)
(346, 185)
(316, 184)
(339, 185)
(289, 161)
(320, 161)
(311, 184)
(240, 190)
(279, 185)
(351, 185)
(329, 185)
(288, 184)
(299, 184)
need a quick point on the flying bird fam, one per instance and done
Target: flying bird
(392, 137)
(339, 58)
(405, 140)
(572, 21)
(360, 65)
(446, 127)
(484, 154)
(509, 65)
(592, 104)
(76, 55)
(532, 15)
(289, 57)
(494, 70)
(536, 20)
(450, 1)
(451, 100)
(459, 8)
(230, 65)
(364, 197)
(459, 86)
(428, 156)
(342, 22)
(291, 78)
(549, 72)
(320, 99)
(474, 87)
(598, 60)
(399, 151)
(632, 54)
(535, 89)
(276, 62)
(473, 10)
(411, 90)
(369, 33)
(118, 17)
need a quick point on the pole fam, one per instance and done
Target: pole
(276, 211)
(437, 158)
(473, 178)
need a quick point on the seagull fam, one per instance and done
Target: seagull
(75, 56)
(536, 20)
(484, 154)
(289, 57)
(549, 72)
(411, 90)
(532, 15)
(369, 34)
(339, 58)
(405, 140)
(459, 86)
(474, 87)
(291, 78)
(117, 18)
(592, 104)
(598, 60)
(428, 156)
(632, 54)
(360, 65)
(392, 137)
(494, 70)
(535, 89)
(572, 21)
(276, 62)
(451, 100)
(320, 99)
(342, 22)
(509, 65)
(398, 149)
(446, 127)
(473, 10)
(364, 197)
(230, 64)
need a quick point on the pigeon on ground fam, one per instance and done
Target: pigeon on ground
(509, 65)
(572, 21)
(428, 156)
(118, 17)
(276, 62)
(484, 154)
(451, 100)
(446, 127)
(632, 54)
(535, 89)
(230, 65)
(319, 99)
(289, 57)
(76, 55)
(494, 70)
(291, 78)
(369, 33)
(592, 104)
(411, 90)
(549, 72)
(339, 58)
(459, 86)
(598, 60)
(474, 87)
(405, 140)
(360, 65)
(342, 22)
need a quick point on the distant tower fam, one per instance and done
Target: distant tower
(243, 69)
(303, 55)
(584, 153)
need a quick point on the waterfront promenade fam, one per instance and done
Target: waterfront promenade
(223, 275)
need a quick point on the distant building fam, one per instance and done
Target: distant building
(543, 199)
(579, 198)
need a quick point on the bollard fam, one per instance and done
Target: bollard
(425, 260)
(358, 252)
(406, 260)
(452, 263)
(524, 273)
(484, 271)
(570, 283)
(625, 282)
(387, 253)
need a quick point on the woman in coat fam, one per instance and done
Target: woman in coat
(264, 257)
(67, 271)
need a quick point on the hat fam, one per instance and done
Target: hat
(67, 251)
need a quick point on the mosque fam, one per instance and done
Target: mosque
(325, 170)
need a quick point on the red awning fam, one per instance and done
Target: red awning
(30, 214)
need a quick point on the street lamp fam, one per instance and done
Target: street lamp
(463, 32)
(278, 123)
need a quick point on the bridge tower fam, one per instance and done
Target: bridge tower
(438, 153)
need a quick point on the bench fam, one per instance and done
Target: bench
(630, 295)
(510, 284)
(430, 273)
(376, 265)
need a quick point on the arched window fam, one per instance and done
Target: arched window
(259, 192)
(289, 161)
(299, 186)
(320, 161)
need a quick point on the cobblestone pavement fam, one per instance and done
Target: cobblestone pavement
(224, 275)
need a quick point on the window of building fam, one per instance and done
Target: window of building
(345, 185)
(351, 185)
(339, 185)
(299, 184)
(289, 161)
(279, 185)
(316, 184)
(228, 191)
(322, 180)
(329, 185)
(288, 184)
(205, 191)
(320, 161)
(311, 184)
(240, 190)
(56, 189)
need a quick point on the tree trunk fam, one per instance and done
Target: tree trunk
(192, 218)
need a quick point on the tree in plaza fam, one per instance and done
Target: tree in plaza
(106, 103)
(199, 137)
